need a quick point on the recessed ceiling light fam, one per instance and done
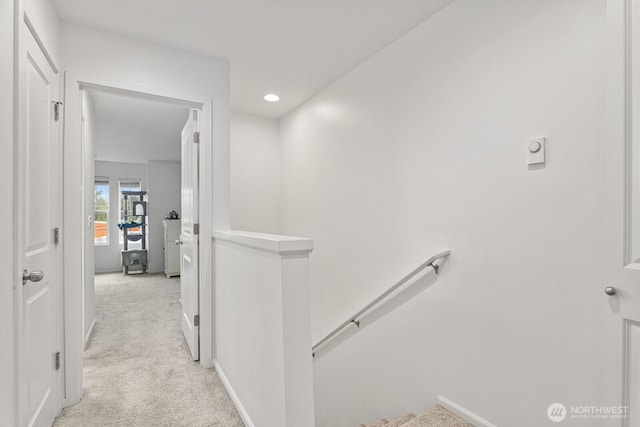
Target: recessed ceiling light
(271, 97)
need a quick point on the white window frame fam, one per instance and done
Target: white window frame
(102, 181)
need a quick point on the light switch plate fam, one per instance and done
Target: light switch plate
(536, 151)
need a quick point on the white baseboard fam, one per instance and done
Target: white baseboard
(233, 395)
(89, 334)
(464, 413)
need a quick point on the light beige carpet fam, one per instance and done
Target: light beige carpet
(137, 371)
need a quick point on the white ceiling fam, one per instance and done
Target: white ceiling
(135, 130)
(290, 47)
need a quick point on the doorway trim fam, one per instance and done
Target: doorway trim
(75, 230)
(139, 95)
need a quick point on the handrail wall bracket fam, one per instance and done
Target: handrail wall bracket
(436, 267)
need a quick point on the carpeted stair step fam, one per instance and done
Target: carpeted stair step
(437, 416)
(400, 421)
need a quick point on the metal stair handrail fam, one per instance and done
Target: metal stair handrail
(431, 262)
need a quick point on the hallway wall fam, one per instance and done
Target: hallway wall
(255, 174)
(422, 148)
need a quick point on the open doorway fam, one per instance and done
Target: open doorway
(152, 324)
(136, 148)
(136, 188)
(140, 70)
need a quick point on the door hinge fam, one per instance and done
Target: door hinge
(56, 110)
(57, 357)
(56, 236)
(196, 320)
(196, 228)
(196, 137)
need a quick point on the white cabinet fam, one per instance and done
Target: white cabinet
(171, 249)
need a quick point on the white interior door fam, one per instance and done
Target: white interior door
(189, 289)
(38, 214)
(622, 255)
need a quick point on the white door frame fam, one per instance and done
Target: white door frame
(74, 221)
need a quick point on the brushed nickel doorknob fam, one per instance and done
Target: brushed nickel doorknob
(610, 290)
(34, 276)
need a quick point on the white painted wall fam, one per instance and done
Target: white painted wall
(107, 257)
(88, 147)
(422, 148)
(8, 402)
(263, 327)
(135, 65)
(137, 142)
(164, 197)
(255, 173)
